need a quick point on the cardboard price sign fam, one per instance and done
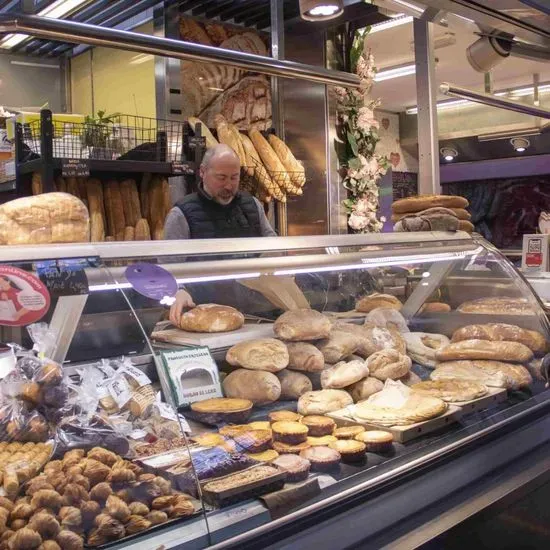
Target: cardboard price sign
(75, 168)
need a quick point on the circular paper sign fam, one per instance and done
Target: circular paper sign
(24, 299)
(151, 280)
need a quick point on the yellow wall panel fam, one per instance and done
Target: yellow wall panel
(81, 84)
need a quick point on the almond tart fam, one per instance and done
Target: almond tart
(321, 441)
(296, 467)
(266, 456)
(286, 449)
(284, 416)
(220, 410)
(318, 425)
(322, 459)
(289, 432)
(349, 449)
(209, 439)
(254, 441)
(232, 430)
(377, 441)
(260, 425)
(348, 432)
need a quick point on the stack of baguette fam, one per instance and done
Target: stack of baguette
(119, 210)
(269, 161)
(432, 213)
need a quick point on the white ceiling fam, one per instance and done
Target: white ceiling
(394, 46)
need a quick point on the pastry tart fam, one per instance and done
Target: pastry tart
(284, 416)
(349, 449)
(348, 432)
(296, 467)
(260, 425)
(376, 441)
(285, 448)
(322, 459)
(231, 430)
(290, 432)
(321, 441)
(222, 409)
(209, 439)
(266, 456)
(319, 425)
(254, 441)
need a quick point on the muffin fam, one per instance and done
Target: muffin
(292, 433)
(296, 467)
(285, 448)
(377, 441)
(319, 426)
(349, 449)
(323, 459)
(321, 441)
(283, 416)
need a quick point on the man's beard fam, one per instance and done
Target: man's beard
(225, 199)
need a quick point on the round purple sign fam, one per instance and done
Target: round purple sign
(151, 280)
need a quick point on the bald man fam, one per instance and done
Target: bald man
(218, 210)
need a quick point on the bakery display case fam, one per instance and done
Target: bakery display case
(310, 376)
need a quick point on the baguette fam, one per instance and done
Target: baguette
(144, 197)
(130, 199)
(513, 352)
(142, 231)
(95, 201)
(129, 233)
(158, 232)
(270, 159)
(72, 187)
(229, 135)
(82, 192)
(60, 184)
(37, 188)
(156, 204)
(295, 170)
(166, 197)
(114, 211)
(211, 141)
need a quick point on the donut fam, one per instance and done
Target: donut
(422, 346)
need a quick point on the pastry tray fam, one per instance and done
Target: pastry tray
(402, 434)
(254, 489)
(493, 397)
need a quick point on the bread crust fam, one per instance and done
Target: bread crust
(512, 352)
(423, 202)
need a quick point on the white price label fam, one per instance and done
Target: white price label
(107, 371)
(167, 412)
(102, 390)
(139, 376)
(120, 391)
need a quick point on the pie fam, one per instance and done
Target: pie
(350, 450)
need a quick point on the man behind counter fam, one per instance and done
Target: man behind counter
(218, 210)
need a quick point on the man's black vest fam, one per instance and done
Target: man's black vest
(208, 219)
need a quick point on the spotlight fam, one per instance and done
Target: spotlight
(520, 144)
(487, 52)
(321, 10)
(448, 153)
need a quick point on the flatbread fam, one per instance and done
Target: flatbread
(452, 391)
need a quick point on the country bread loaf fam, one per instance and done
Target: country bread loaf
(512, 352)
(376, 300)
(499, 332)
(337, 346)
(452, 391)
(293, 384)
(211, 318)
(344, 374)
(305, 357)
(365, 388)
(267, 354)
(323, 401)
(257, 386)
(423, 202)
(388, 364)
(302, 325)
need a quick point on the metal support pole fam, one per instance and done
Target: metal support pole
(46, 149)
(428, 142)
(277, 114)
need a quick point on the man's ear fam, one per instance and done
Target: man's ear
(202, 170)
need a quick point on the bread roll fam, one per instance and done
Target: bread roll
(344, 374)
(423, 202)
(376, 300)
(293, 384)
(365, 388)
(302, 324)
(142, 231)
(388, 364)
(270, 159)
(130, 200)
(295, 170)
(513, 352)
(211, 318)
(257, 386)
(433, 219)
(266, 354)
(465, 225)
(323, 401)
(499, 332)
(305, 357)
(211, 141)
(337, 346)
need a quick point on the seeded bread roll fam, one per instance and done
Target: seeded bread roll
(423, 202)
(513, 352)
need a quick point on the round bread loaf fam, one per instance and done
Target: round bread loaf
(368, 303)
(266, 354)
(293, 384)
(422, 346)
(365, 388)
(499, 332)
(512, 352)
(323, 401)
(211, 318)
(435, 307)
(344, 374)
(460, 213)
(433, 219)
(423, 202)
(388, 364)
(257, 386)
(305, 357)
(302, 324)
(337, 346)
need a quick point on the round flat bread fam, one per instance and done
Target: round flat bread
(453, 391)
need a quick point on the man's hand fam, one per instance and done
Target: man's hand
(183, 301)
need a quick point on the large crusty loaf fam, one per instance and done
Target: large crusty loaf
(257, 386)
(266, 354)
(376, 300)
(323, 401)
(302, 324)
(460, 213)
(388, 364)
(344, 374)
(502, 305)
(42, 219)
(496, 374)
(377, 339)
(293, 384)
(499, 332)
(365, 388)
(305, 357)
(423, 202)
(295, 170)
(337, 346)
(211, 318)
(513, 352)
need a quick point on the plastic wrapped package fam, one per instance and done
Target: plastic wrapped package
(387, 318)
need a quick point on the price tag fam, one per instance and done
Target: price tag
(196, 141)
(165, 411)
(75, 168)
(102, 390)
(106, 370)
(139, 376)
(137, 434)
(120, 391)
(183, 167)
(63, 277)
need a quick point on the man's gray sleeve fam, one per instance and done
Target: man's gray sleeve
(176, 226)
(265, 227)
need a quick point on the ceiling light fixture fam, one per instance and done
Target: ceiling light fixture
(487, 52)
(520, 144)
(57, 10)
(321, 10)
(448, 153)
(396, 22)
(396, 72)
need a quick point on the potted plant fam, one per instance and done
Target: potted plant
(96, 135)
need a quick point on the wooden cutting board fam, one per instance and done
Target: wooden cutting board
(216, 340)
(493, 397)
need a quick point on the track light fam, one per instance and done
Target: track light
(321, 10)
(520, 144)
(487, 52)
(448, 153)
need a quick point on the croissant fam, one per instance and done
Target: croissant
(138, 509)
(49, 545)
(74, 494)
(71, 517)
(156, 517)
(45, 524)
(96, 539)
(117, 508)
(58, 481)
(111, 529)
(103, 455)
(121, 475)
(53, 467)
(6, 503)
(79, 479)
(18, 524)
(125, 495)
(163, 502)
(21, 511)
(101, 492)
(163, 484)
(89, 511)
(147, 477)
(95, 471)
(69, 540)
(74, 470)
(46, 498)
(38, 483)
(25, 539)
(136, 524)
(182, 508)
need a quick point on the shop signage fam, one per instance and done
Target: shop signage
(63, 277)
(152, 281)
(184, 167)
(197, 141)
(75, 168)
(24, 299)
(535, 253)
(192, 375)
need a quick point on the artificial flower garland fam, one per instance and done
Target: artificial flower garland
(362, 168)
